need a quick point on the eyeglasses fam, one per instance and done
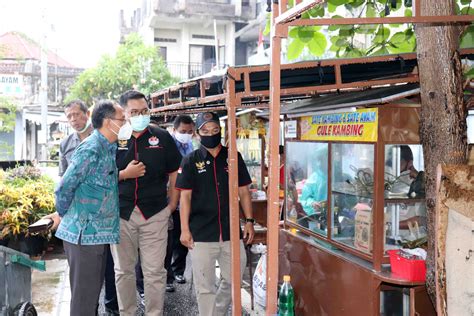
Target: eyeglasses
(137, 113)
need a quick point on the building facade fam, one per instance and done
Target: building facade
(185, 35)
(20, 81)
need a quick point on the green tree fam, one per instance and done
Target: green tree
(8, 109)
(135, 65)
(361, 40)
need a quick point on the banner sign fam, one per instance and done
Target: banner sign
(358, 126)
(290, 129)
(11, 85)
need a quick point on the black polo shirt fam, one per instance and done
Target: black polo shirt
(208, 178)
(157, 150)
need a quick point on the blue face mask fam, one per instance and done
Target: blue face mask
(140, 122)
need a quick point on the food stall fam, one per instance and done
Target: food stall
(334, 246)
(354, 190)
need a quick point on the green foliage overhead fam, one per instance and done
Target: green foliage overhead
(135, 65)
(7, 114)
(361, 40)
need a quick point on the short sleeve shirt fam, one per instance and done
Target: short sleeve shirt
(157, 150)
(208, 178)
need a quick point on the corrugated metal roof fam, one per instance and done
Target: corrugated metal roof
(373, 96)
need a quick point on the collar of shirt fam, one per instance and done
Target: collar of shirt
(111, 147)
(206, 154)
(76, 137)
(184, 149)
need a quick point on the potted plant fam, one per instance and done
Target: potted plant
(25, 197)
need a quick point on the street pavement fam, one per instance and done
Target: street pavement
(51, 292)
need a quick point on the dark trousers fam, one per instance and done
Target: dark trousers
(110, 291)
(139, 276)
(179, 252)
(169, 254)
(86, 275)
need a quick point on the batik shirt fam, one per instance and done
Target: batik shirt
(87, 196)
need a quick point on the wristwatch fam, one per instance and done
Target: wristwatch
(250, 220)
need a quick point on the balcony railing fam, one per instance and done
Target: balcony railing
(186, 71)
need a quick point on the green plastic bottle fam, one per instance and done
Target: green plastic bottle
(286, 301)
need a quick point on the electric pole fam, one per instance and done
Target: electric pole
(44, 88)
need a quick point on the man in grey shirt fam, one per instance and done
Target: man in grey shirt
(77, 115)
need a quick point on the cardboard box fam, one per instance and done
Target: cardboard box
(363, 231)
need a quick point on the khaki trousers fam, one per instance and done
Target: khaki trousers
(213, 301)
(151, 236)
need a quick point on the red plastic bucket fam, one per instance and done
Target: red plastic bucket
(411, 270)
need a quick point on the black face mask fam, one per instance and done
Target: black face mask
(211, 141)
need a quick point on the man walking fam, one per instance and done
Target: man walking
(146, 203)
(87, 201)
(183, 131)
(77, 115)
(204, 205)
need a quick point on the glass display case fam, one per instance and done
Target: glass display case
(355, 180)
(352, 189)
(307, 185)
(251, 151)
(404, 207)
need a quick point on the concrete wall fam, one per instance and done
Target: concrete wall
(183, 34)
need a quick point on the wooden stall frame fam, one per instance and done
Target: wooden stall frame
(231, 100)
(282, 19)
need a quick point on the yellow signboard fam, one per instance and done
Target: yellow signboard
(358, 126)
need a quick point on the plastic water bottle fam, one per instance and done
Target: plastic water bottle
(292, 217)
(286, 300)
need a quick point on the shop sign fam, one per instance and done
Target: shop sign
(358, 126)
(11, 85)
(290, 129)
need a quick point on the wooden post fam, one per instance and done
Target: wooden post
(273, 179)
(233, 196)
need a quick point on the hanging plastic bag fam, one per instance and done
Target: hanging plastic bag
(260, 281)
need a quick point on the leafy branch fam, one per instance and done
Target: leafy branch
(360, 40)
(7, 114)
(135, 65)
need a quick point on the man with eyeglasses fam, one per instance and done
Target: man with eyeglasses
(88, 204)
(203, 179)
(146, 202)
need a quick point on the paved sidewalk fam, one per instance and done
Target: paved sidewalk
(51, 293)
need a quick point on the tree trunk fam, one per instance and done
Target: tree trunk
(443, 112)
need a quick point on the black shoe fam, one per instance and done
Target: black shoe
(169, 288)
(180, 279)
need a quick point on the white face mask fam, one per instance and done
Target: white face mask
(85, 127)
(183, 138)
(125, 132)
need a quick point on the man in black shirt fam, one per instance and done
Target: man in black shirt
(146, 203)
(203, 179)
